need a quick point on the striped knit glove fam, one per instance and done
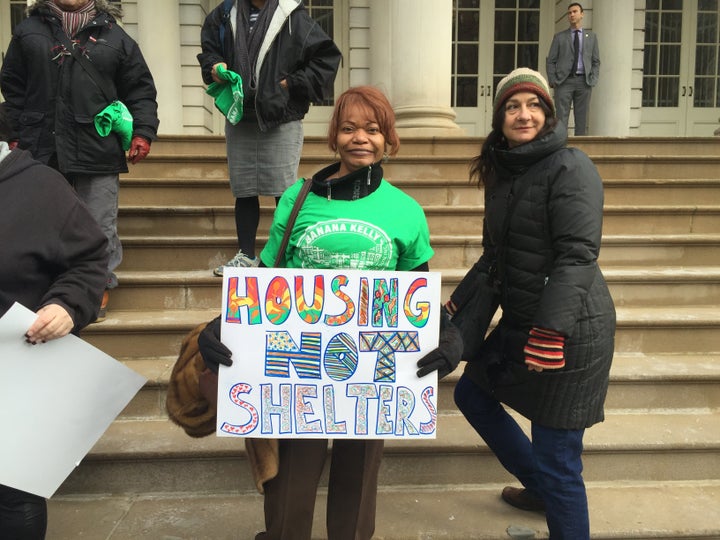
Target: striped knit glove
(544, 349)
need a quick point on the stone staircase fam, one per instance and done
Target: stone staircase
(652, 468)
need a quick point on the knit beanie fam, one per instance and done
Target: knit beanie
(523, 80)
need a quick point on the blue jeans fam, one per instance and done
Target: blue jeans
(549, 466)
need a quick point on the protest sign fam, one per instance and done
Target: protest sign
(328, 353)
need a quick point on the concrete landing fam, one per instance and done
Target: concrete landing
(687, 510)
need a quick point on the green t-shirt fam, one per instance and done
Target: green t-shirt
(386, 230)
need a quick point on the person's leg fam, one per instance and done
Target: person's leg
(23, 516)
(558, 454)
(100, 195)
(352, 489)
(581, 105)
(247, 219)
(500, 432)
(290, 496)
(563, 97)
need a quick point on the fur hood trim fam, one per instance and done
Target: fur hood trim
(101, 5)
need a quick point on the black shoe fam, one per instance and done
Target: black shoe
(522, 499)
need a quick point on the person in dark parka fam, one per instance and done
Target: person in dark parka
(549, 356)
(52, 101)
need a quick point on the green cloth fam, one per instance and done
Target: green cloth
(228, 95)
(115, 118)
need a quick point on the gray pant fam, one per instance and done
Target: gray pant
(575, 91)
(100, 194)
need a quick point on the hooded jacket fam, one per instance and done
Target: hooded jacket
(53, 250)
(52, 101)
(295, 48)
(543, 259)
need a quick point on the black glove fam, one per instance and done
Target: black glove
(447, 356)
(212, 350)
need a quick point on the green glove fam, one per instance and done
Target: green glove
(228, 95)
(115, 118)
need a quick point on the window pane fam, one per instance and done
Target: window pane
(467, 60)
(466, 91)
(468, 26)
(650, 62)
(705, 60)
(652, 4)
(651, 27)
(668, 92)
(669, 59)
(505, 26)
(671, 26)
(648, 92)
(504, 61)
(704, 92)
(470, 4)
(528, 26)
(528, 56)
(504, 4)
(529, 4)
(672, 4)
(707, 5)
(707, 30)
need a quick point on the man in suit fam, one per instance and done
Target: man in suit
(573, 68)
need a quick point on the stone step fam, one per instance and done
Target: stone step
(464, 146)
(150, 455)
(646, 329)
(187, 253)
(424, 166)
(199, 289)
(637, 382)
(178, 190)
(442, 220)
(618, 510)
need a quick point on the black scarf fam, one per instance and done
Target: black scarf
(248, 42)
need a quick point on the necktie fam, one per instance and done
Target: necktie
(576, 55)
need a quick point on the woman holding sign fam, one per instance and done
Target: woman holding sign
(549, 356)
(362, 132)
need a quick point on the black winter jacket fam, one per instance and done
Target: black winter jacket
(52, 101)
(53, 250)
(298, 50)
(545, 265)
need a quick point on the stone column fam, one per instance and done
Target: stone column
(612, 21)
(415, 66)
(159, 40)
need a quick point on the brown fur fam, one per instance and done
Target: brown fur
(191, 410)
(186, 406)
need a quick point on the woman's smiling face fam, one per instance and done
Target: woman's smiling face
(359, 140)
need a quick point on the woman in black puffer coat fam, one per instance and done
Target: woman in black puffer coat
(549, 357)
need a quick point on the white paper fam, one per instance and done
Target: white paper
(310, 354)
(56, 401)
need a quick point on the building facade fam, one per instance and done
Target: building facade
(440, 60)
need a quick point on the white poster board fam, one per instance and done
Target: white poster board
(56, 401)
(328, 354)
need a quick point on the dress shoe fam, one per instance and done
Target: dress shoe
(522, 499)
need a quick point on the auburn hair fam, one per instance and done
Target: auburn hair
(372, 100)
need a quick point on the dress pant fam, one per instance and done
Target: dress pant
(549, 466)
(573, 90)
(23, 516)
(352, 489)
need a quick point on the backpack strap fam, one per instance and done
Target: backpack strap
(227, 8)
